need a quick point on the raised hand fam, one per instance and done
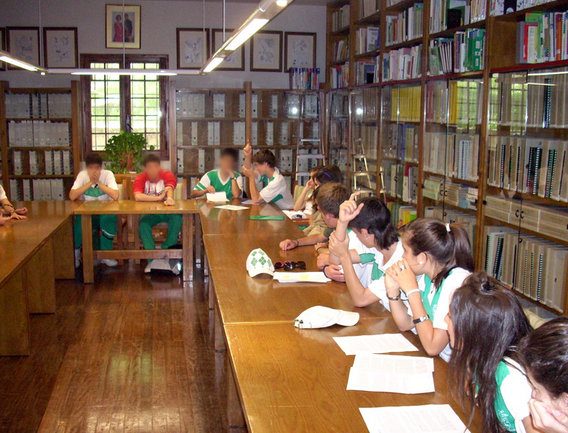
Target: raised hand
(349, 209)
(248, 172)
(247, 150)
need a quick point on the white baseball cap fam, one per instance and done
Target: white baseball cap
(324, 317)
(258, 263)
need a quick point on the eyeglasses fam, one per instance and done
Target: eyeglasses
(290, 266)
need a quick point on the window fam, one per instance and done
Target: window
(118, 102)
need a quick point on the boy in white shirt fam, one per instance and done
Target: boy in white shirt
(265, 171)
(95, 183)
(223, 179)
(8, 211)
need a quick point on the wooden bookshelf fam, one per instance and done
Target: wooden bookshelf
(43, 114)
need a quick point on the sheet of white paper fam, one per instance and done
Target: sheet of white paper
(383, 343)
(294, 215)
(217, 197)
(247, 202)
(301, 277)
(433, 418)
(361, 380)
(393, 364)
(232, 207)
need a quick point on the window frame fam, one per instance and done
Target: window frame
(125, 100)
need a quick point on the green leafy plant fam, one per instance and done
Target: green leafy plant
(125, 152)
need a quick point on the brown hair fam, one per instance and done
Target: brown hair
(331, 196)
(450, 248)
(151, 157)
(375, 217)
(263, 156)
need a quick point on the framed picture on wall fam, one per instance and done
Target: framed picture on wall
(23, 42)
(60, 47)
(123, 26)
(236, 61)
(2, 45)
(266, 51)
(192, 48)
(299, 50)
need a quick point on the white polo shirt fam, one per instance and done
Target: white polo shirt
(275, 190)
(94, 192)
(2, 193)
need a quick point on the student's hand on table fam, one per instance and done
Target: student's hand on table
(169, 201)
(547, 419)
(403, 275)
(3, 220)
(248, 172)
(338, 248)
(162, 196)
(323, 260)
(22, 211)
(247, 150)
(288, 244)
(210, 189)
(18, 217)
(349, 209)
(334, 272)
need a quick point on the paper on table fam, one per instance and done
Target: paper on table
(247, 202)
(361, 380)
(232, 207)
(393, 364)
(301, 277)
(432, 418)
(294, 215)
(217, 197)
(383, 343)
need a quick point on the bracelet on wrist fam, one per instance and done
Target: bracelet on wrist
(323, 270)
(394, 298)
(297, 243)
(411, 292)
(420, 319)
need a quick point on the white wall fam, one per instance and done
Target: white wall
(159, 22)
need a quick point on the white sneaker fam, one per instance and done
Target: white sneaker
(111, 263)
(148, 268)
(77, 257)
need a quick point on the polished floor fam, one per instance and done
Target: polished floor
(130, 353)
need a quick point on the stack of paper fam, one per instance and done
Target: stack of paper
(232, 207)
(218, 197)
(433, 418)
(387, 373)
(301, 277)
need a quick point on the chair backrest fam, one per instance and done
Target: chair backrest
(180, 192)
(127, 193)
(298, 189)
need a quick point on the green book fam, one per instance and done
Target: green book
(267, 217)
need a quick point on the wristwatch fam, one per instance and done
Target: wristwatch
(394, 298)
(420, 319)
(233, 178)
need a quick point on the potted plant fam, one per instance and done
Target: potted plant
(125, 152)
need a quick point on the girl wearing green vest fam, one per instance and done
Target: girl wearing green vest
(544, 353)
(436, 260)
(486, 324)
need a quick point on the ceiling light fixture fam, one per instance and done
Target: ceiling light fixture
(15, 61)
(147, 72)
(213, 63)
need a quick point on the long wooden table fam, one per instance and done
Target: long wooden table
(187, 208)
(33, 253)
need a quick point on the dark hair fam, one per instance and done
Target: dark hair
(263, 156)
(375, 217)
(93, 158)
(545, 354)
(489, 322)
(328, 173)
(331, 196)
(229, 151)
(451, 248)
(150, 157)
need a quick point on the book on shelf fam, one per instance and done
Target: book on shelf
(467, 221)
(367, 141)
(400, 180)
(341, 50)
(449, 14)
(340, 18)
(405, 26)
(38, 133)
(190, 105)
(339, 76)
(242, 105)
(310, 106)
(402, 64)
(218, 105)
(405, 103)
(444, 190)
(366, 72)
(367, 40)
(458, 103)
(532, 266)
(464, 52)
(38, 105)
(452, 154)
(303, 79)
(542, 37)
(402, 142)
(368, 8)
(501, 7)
(401, 214)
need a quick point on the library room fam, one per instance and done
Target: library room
(285, 216)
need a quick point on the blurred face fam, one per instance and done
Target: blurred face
(416, 262)
(93, 169)
(329, 220)
(227, 164)
(541, 394)
(261, 168)
(451, 332)
(152, 169)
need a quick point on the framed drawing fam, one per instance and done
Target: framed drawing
(266, 51)
(192, 48)
(123, 26)
(299, 50)
(236, 61)
(2, 45)
(23, 42)
(60, 47)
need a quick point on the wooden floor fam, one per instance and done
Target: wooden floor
(131, 353)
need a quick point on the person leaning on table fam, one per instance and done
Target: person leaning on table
(8, 210)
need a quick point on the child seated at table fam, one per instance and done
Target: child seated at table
(95, 183)
(8, 210)
(156, 185)
(274, 190)
(224, 179)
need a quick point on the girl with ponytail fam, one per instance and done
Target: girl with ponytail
(436, 260)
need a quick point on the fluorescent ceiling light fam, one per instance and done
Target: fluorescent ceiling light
(213, 63)
(108, 71)
(538, 74)
(245, 33)
(14, 61)
(282, 3)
